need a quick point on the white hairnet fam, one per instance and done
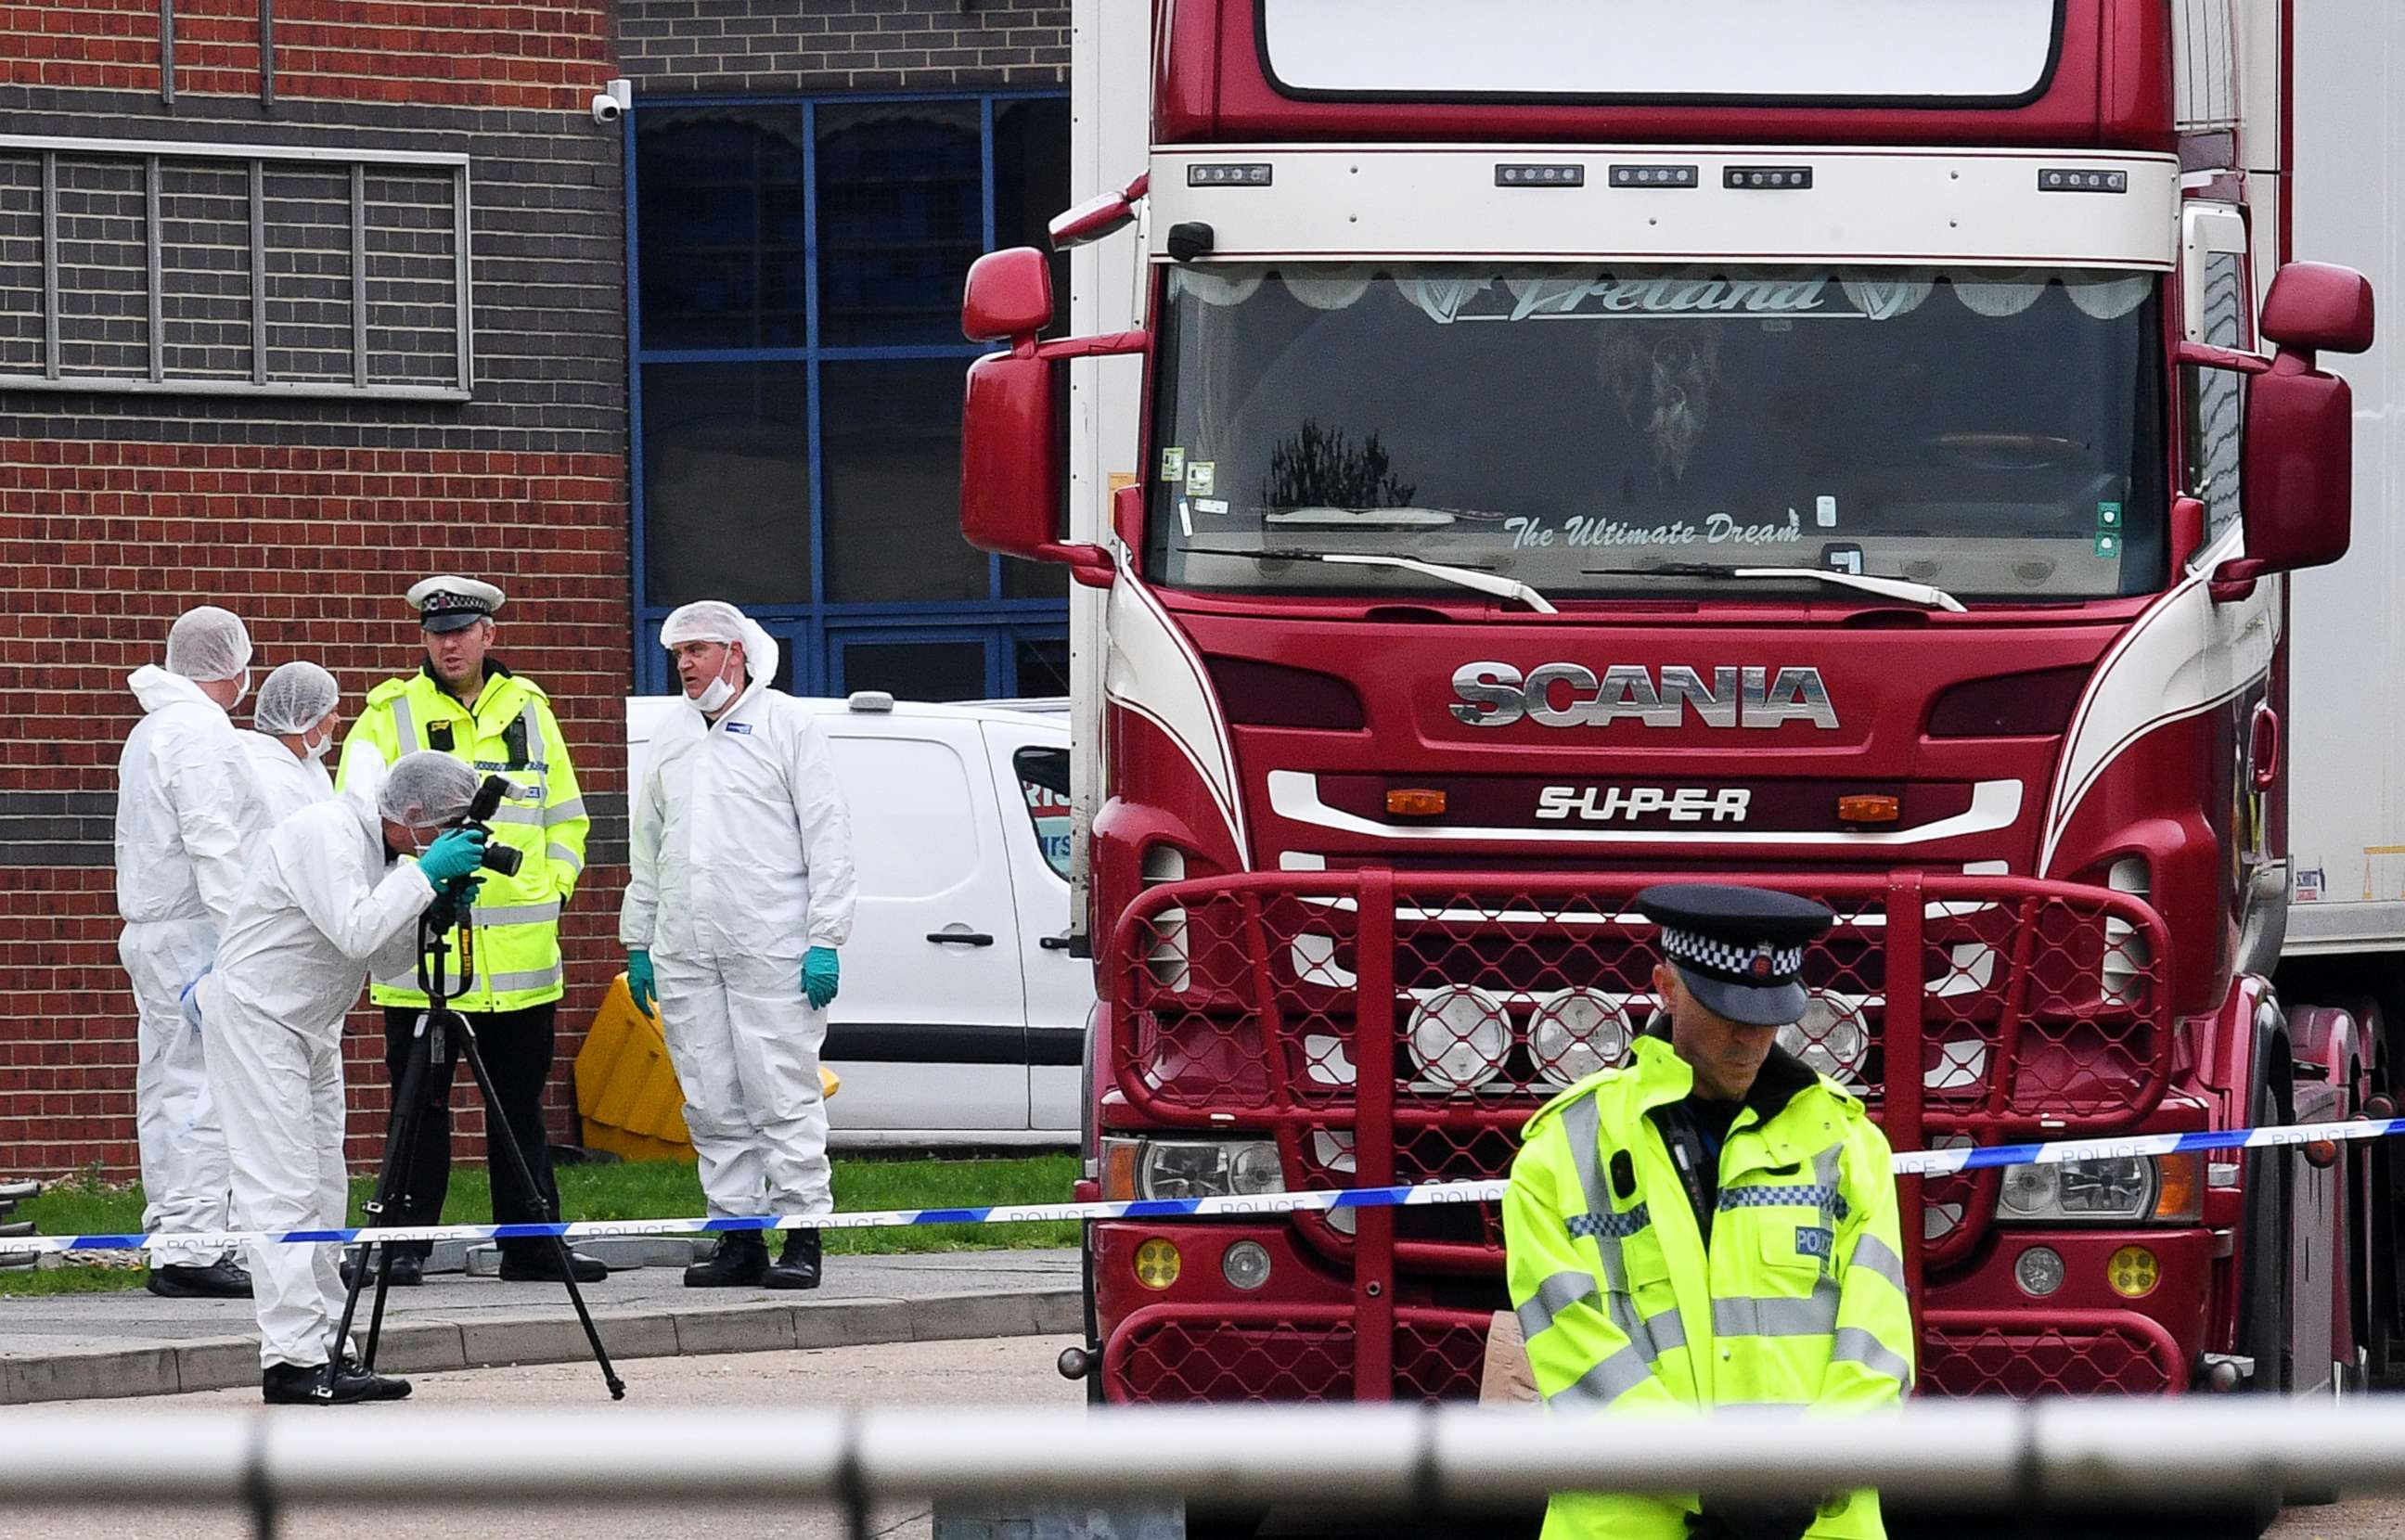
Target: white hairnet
(208, 643)
(425, 789)
(295, 698)
(704, 619)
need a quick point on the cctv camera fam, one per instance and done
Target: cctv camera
(614, 102)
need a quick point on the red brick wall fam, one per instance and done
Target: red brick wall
(466, 54)
(313, 548)
(309, 517)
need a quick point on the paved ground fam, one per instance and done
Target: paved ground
(63, 1347)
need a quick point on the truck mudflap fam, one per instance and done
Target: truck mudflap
(1390, 1028)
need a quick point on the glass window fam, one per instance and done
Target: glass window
(726, 482)
(1043, 666)
(917, 670)
(1044, 779)
(912, 835)
(901, 217)
(2217, 398)
(890, 433)
(1607, 432)
(721, 227)
(1031, 185)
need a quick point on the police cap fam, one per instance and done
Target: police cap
(1740, 950)
(453, 604)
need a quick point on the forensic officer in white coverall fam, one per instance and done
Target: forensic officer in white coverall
(187, 814)
(740, 890)
(296, 724)
(326, 896)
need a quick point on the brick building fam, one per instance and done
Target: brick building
(710, 351)
(202, 400)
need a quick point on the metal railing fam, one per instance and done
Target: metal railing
(2028, 1457)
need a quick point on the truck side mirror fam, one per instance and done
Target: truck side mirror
(2297, 467)
(1008, 298)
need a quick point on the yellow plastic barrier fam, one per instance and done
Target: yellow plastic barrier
(626, 1090)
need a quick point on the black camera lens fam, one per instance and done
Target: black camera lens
(501, 858)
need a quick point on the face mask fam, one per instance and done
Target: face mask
(242, 694)
(714, 694)
(318, 749)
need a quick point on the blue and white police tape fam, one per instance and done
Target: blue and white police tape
(1416, 1196)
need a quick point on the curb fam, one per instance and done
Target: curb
(430, 1347)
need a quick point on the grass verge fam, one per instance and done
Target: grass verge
(652, 1189)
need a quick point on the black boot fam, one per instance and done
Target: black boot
(408, 1270)
(304, 1385)
(797, 1265)
(542, 1267)
(219, 1279)
(740, 1261)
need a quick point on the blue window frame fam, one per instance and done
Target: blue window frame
(794, 268)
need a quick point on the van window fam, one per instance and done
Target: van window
(913, 830)
(1044, 780)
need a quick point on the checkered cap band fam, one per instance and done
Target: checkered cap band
(1729, 961)
(444, 602)
(1618, 1226)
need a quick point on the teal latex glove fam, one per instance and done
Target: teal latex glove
(819, 976)
(464, 891)
(638, 981)
(454, 854)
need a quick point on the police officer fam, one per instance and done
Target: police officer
(1713, 1223)
(465, 702)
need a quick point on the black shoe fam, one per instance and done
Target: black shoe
(797, 1265)
(408, 1270)
(304, 1385)
(740, 1261)
(219, 1279)
(542, 1267)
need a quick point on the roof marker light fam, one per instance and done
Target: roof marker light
(1655, 176)
(1541, 176)
(2073, 179)
(1767, 178)
(1256, 174)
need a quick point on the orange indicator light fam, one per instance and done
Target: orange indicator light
(1867, 808)
(1415, 803)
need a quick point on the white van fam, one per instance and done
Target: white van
(962, 1016)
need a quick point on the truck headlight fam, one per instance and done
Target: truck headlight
(1459, 1037)
(2130, 1190)
(1190, 1168)
(1831, 1040)
(1576, 1032)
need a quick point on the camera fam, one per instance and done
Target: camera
(613, 103)
(481, 808)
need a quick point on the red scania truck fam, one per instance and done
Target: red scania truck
(1518, 452)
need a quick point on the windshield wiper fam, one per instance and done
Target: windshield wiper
(1892, 588)
(1466, 577)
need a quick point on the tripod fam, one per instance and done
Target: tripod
(441, 1030)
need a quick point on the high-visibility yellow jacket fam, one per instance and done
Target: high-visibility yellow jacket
(510, 732)
(1798, 1301)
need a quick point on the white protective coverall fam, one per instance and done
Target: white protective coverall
(188, 813)
(286, 782)
(322, 903)
(740, 858)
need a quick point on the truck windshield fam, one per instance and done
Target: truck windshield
(1993, 434)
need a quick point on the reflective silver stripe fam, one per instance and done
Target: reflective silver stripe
(1552, 1297)
(1856, 1346)
(561, 812)
(1666, 1331)
(1583, 1125)
(541, 978)
(516, 913)
(404, 725)
(511, 813)
(1740, 1316)
(1604, 1383)
(565, 857)
(1827, 1168)
(1872, 1254)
